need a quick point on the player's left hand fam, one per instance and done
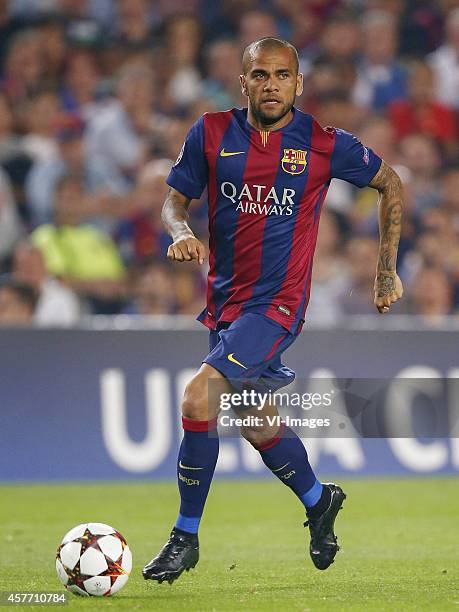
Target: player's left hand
(388, 289)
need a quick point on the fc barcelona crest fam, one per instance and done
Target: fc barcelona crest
(294, 161)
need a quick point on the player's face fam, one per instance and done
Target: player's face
(271, 84)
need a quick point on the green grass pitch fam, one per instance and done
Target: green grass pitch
(400, 545)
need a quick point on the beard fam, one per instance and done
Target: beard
(269, 118)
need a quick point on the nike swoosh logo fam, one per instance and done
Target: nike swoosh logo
(233, 360)
(187, 467)
(282, 467)
(224, 153)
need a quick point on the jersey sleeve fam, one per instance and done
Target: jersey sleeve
(189, 173)
(351, 161)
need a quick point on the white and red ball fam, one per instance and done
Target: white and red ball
(93, 559)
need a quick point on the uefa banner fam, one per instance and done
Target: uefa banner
(86, 404)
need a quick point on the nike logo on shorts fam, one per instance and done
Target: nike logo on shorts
(233, 360)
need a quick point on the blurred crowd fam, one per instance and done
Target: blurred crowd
(96, 99)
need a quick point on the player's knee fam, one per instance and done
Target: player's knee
(250, 435)
(257, 435)
(195, 399)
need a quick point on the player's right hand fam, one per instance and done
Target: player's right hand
(187, 249)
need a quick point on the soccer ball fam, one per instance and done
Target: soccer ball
(93, 559)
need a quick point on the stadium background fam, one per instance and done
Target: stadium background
(97, 96)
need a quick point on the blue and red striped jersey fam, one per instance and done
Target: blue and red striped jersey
(265, 192)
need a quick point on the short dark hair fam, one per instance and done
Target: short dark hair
(267, 43)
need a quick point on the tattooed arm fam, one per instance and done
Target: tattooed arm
(388, 286)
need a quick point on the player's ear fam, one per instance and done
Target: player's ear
(299, 84)
(243, 84)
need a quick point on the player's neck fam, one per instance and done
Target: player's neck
(258, 125)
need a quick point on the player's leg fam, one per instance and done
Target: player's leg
(285, 455)
(196, 462)
(249, 353)
(198, 452)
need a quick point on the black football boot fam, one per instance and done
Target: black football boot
(180, 553)
(324, 543)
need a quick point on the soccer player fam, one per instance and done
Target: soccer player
(267, 169)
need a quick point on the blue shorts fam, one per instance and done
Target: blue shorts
(248, 352)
